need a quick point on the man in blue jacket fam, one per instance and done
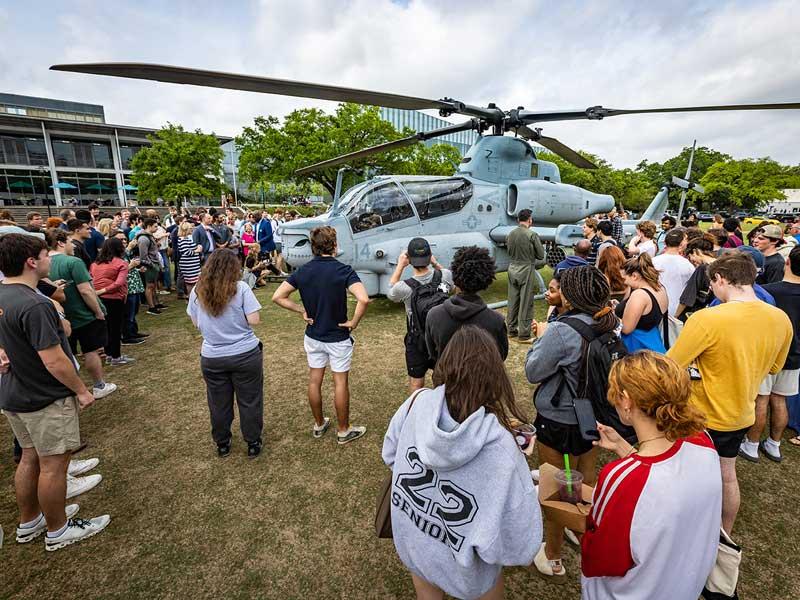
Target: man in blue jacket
(580, 258)
(205, 236)
(264, 235)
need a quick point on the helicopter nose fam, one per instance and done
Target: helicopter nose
(296, 247)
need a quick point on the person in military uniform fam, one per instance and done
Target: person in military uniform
(527, 254)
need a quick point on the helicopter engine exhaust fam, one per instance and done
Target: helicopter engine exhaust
(555, 203)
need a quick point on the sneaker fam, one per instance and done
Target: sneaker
(318, 432)
(133, 341)
(153, 311)
(122, 360)
(79, 467)
(80, 485)
(140, 335)
(106, 389)
(513, 334)
(160, 306)
(254, 449)
(762, 446)
(351, 434)
(571, 537)
(163, 293)
(743, 453)
(535, 476)
(27, 534)
(552, 570)
(223, 450)
(77, 530)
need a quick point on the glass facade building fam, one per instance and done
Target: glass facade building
(419, 121)
(46, 143)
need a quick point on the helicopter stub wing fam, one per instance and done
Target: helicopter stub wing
(250, 83)
(556, 147)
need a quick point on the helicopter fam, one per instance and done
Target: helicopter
(499, 176)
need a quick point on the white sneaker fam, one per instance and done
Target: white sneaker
(77, 530)
(351, 434)
(102, 392)
(553, 570)
(80, 485)
(27, 534)
(79, 467)
(535, 475)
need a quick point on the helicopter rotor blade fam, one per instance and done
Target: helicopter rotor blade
(597, 113)
(556, 147)
(264, 85)
(387, 146)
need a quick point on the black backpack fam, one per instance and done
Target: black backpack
(424, 296)
(600, 351)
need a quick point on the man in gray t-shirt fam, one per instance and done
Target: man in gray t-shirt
(425, 268)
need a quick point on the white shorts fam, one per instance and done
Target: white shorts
(338, 354)
(784, 383)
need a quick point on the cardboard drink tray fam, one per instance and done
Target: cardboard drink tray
(571, 516)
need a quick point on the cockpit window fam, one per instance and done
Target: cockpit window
(380, 206)
(434, 198)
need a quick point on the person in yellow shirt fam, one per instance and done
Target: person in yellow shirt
(731, 367)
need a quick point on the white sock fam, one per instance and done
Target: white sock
(773, 445)
(33, 523)
(750, 447)
(54, 534)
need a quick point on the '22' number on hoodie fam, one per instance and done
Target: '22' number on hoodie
(461, 506)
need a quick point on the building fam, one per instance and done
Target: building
(419, 121)
(58, 152)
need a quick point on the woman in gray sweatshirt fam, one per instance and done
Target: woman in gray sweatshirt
(554, 362)
(463, 501)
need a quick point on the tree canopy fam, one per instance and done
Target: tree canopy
(272, 151)
(178, 164)
(748, 183)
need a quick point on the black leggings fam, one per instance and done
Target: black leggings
(115, 318)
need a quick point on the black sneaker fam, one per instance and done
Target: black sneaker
(133, 341)
(253, 449)
(161, 306)
(153, 311)
(223, 450)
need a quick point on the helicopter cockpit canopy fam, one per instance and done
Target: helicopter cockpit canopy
(387, 203)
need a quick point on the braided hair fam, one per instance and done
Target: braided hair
(588, 291)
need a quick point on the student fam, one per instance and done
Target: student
(698, 293)
(580, 257)
(642, 312)
(429, 281)
(776, 388)
(768, 242)
(610, 264)
(225, 310)
(605, 230)
(554, 362)
(458, 438)
(668, 223)
(653, 530)
(150, 259)
(674, 270)
(473, 271)
(731, 367)
(731, 227)
(590, 233)
(323, 284)
(41, 397)
(110, 276)
(642, 242)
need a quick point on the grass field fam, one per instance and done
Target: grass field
(296, 522)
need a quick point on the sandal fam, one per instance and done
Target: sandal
(795, 441)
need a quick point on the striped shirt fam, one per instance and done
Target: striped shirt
(188, 261)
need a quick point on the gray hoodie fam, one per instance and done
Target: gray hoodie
(463, 502)
(556, 352)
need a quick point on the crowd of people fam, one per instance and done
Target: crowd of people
(638, 334)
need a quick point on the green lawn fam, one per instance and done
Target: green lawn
(297, 521)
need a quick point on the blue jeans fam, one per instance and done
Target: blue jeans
(132, 307)
(166, 275)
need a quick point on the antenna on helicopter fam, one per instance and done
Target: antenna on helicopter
(687, 183)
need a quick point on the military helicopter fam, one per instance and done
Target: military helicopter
(499, 176)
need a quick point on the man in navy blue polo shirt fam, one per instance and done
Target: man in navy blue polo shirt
(323, 284)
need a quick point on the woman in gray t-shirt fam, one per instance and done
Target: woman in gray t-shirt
(224, 309)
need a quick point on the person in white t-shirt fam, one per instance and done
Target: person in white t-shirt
(642, 242)
(674, 270)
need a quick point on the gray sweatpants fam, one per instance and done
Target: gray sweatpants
(243, 375)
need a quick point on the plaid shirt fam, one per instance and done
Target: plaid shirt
(616, 232)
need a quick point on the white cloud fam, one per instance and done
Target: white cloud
(541, 55)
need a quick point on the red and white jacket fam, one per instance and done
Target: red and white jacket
(653, 530)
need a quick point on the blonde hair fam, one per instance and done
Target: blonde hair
(185, 228)
(660, 389)
(647, 229)
(104, 227)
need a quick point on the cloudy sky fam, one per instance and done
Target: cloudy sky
(537, 54)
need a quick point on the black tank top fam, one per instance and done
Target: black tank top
(649, 319)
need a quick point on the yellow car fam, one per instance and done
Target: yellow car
(759, 220)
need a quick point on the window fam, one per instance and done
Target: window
(380, 206)
(14, 150)
(102, 156)
(126, 154)
(63, 153)
(439, 197)
(37, 154)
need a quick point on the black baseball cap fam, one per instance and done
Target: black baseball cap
(419, 252)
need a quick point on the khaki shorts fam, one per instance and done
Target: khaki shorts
(784, 383)
(51, 431)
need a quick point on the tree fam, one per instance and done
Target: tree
(178, 164)
(628, 187)
(271, 152)
(748, 183)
